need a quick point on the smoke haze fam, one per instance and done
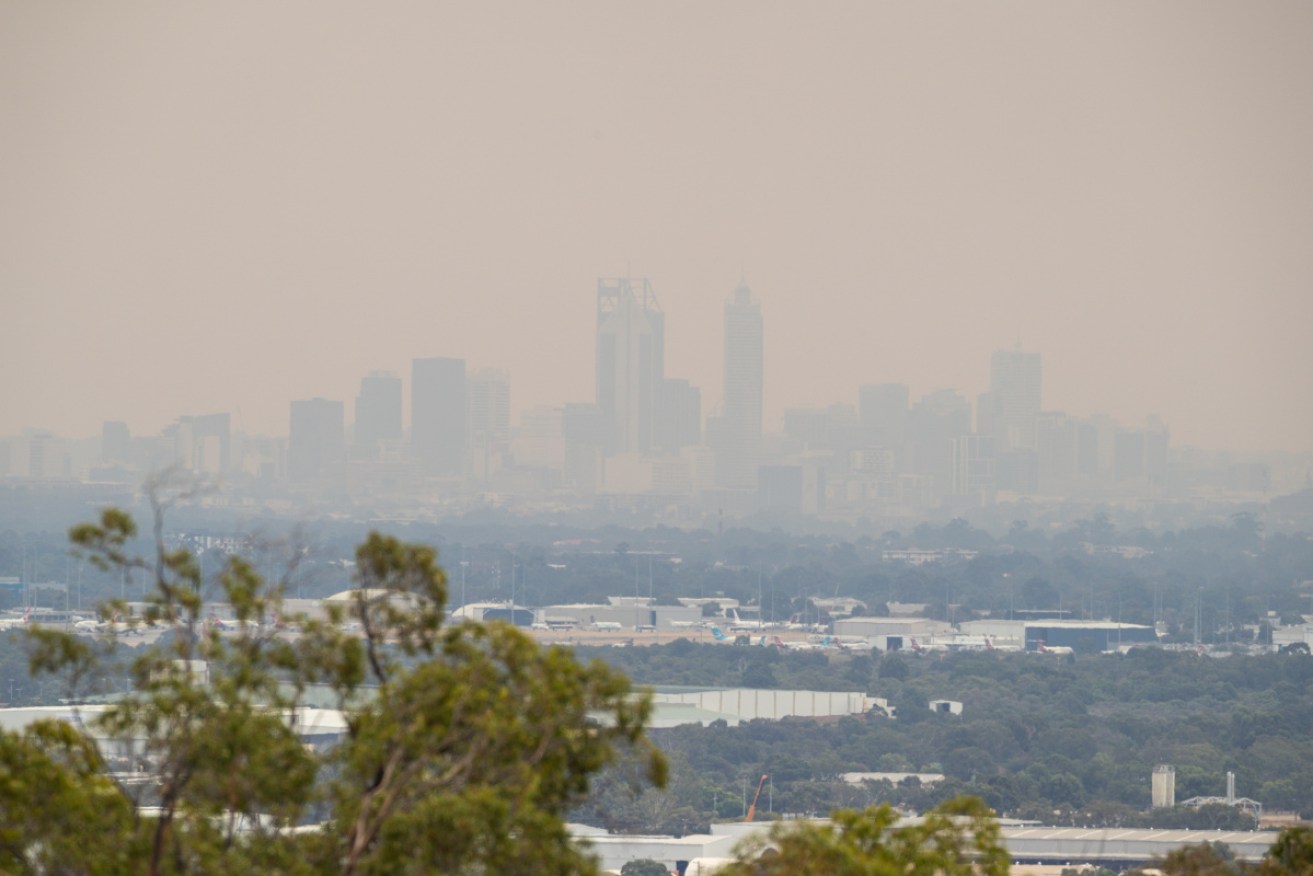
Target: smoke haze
(225, 206)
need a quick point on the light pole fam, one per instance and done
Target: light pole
(463, 564)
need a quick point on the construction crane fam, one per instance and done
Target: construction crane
(752, 810)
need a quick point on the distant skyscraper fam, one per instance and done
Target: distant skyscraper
(631, 331)
(1013, 404)
(378, 413)
(438, 414)
(739, 431)
(317, 437)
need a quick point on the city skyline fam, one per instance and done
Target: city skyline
(1016, 370)
(906, 190)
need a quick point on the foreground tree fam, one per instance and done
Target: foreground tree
(464, 745)
(1290, 855)
(958, 838)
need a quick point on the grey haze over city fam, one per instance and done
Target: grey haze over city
(656, 437)
(225, 208)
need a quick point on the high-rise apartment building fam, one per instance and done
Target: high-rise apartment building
(316, 439)
(378, 413)
(438, 415)
(739, 431)
(631, 331)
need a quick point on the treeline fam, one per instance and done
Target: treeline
(1070, 741)
(1230, 575)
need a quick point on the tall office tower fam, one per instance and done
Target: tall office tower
(317, 438)
(378, 413)
(438, 415)
(739, 452)
(679, 416)
(631, 345)
(882, 409)
(1013, 403)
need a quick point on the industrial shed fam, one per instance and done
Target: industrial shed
(1087, 637)
(686, 705)
(869, 627)
(1122, 848)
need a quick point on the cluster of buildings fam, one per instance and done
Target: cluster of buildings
(644, 440)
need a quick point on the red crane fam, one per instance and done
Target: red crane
(752, 810)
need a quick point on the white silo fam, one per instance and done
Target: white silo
(1164, 786)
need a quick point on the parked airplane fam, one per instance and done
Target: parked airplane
(13, 623)
(113, 625)
(215, 622)
(1057, 650)
(794, 646)
(719, 635)
(990, 646)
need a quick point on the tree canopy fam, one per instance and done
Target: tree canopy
(957, 838)
(464, 746)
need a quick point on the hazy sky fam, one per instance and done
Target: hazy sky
(224, 206)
